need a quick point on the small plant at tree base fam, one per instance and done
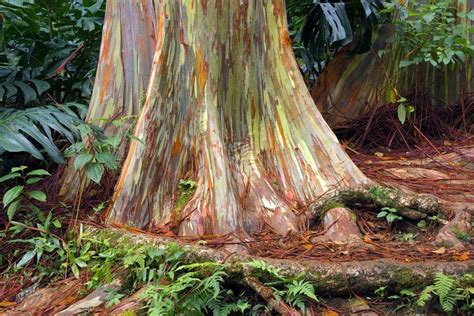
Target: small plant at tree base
(186, 189)
(421, 224)
(58, 254)
(390, 214)
(406, 237)
(381, 291)
(20, 197)
(97, 151)
(44, 244)
(405, 299)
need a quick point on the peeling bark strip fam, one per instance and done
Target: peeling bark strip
(226, 103)
(129, 39)
(330, 278)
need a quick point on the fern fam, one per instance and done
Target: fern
(264, 267)
(448, 292)
(23, 130)
(445, 288)
(298, 292)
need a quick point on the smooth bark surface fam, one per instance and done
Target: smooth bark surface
(227, 107)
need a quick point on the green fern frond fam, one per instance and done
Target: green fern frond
(22, 130)
(444, 284)
(444, 287)
(264, 267)
(425, 296)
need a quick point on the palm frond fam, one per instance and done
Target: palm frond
(32, 130)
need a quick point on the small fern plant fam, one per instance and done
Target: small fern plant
(448, 292)
(294, 291)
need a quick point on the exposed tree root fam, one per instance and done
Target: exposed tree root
(331, 278)
(410, 205)
(95, 299)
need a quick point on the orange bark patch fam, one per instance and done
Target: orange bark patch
(285, 38)
(160, 28)
(201, 70)
(176, 147)
(252, 106)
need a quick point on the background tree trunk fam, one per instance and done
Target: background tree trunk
(353, 85)
(123, 72)
(228, 108)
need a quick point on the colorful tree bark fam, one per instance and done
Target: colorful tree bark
(125, 62)
(227, 107)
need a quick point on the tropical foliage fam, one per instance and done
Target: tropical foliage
(48, 54)
(48, 50)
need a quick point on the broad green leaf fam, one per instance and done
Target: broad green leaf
(402, 113)
(113, 141)
(95, 7)
(37, 195)
(80, 263)
(41, 86)
(12, 194)
(23, 129)
(10, 176)
(95, 171)
(407, 293)
(29, 93)
(470, 15)
(11, 210)
(108, 159)
(21, 168)
(33, 180)
(405, 63)
(75, 271)
(38, 172)
(11, 89)
(82, 159)
(26, 258)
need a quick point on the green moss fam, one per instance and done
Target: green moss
(407, 279)
(186, 189)
(327, 205)
(377, 192)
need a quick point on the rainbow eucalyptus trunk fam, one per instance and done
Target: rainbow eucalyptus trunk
(227, 107)
(354, 85)
(123, 72)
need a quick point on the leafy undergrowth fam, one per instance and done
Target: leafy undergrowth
(170, 286)
(41, 247)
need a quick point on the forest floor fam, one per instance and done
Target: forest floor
(444, 169)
